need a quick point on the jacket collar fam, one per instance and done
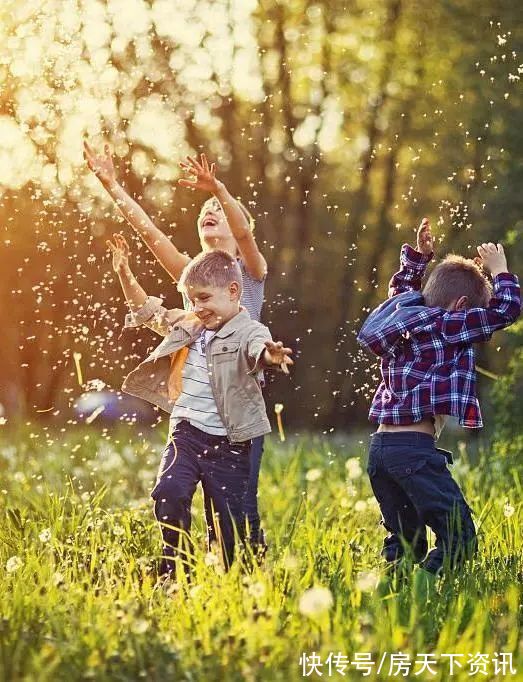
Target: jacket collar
(235, 323)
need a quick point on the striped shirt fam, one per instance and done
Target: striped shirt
(196, 403)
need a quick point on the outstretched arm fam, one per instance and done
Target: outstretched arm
(413, 262)
(205, 179)
(172, 260)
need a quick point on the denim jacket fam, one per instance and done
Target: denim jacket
(234, 355)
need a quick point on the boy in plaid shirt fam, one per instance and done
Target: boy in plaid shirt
(424, 340)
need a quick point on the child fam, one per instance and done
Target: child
(425, 342)
(223, 223)
(206, 373)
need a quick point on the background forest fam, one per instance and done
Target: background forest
(340, 124)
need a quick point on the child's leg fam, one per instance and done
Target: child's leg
(176, 483)
(424, 476)
(251, 497)
(225, 472)
(400, 517)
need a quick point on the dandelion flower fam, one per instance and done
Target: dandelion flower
(508, 510)
(360, 506)
(45, 535)
(313, 475)
(315, 601)
(13, 564)
(211, 559)
(353, 467)
(256, 590)
(366, 581)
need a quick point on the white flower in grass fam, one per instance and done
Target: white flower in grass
(313, 475)
(118, 530)
(195, 591)
(354, 470)
(58, 579)
(508, 510)
(315, 601)
(360, 506)
(140, 626)
(256, 590)
(45, 535)
(366, 580)
(13, 564)
(211, 559)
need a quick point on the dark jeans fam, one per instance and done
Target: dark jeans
(250, 502)
(222, 467)
(414, 488)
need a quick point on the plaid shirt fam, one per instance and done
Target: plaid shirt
(427, 358)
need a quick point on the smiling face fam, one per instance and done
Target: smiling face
(213, 227)
(214, 306)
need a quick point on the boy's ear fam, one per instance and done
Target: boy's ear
(462, 303)
(234, 289)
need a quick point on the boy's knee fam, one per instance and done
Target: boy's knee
(172, 511)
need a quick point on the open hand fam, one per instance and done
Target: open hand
(120, 250)
(204, 175)
(493, 258)
(277, 354)
(102, 166)
(425, 240)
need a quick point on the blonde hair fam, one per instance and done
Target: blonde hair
(213, 268)
(456, 276)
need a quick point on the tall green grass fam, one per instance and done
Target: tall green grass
(80, 601)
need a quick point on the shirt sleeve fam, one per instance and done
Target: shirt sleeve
(412, 269)
(154, 316)
(478, 324)
(256, 347)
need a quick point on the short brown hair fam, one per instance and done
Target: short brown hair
(213, 268)
(456, 276)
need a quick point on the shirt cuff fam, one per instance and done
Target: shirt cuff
(142, 315)
(505, 278)
(411, 258)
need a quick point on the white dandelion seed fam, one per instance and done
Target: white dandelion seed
(313, 475)
(315, 601)
(13, 564)
(45, 535)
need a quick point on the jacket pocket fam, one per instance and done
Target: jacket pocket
(225, 351)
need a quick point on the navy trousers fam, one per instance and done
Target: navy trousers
(222, 467)
(414, 488)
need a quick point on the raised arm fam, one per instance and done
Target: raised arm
(133, 292)
(172, 260)
(478, 324)
(413, 262)
(205, 179)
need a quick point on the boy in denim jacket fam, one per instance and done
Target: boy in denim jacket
(424, 341)
(205, 373)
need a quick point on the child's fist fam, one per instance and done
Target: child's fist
(493, 258)
(425, 240)
(120, 250)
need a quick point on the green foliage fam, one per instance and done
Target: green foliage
(82, 602)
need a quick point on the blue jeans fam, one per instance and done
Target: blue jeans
(414, 488)
(193, 456)
(250, 502)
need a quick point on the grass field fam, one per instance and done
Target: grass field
(79, 601)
